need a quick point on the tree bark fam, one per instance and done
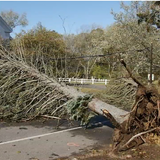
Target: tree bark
(98, 106)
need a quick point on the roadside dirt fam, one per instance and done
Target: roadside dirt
(143, 152)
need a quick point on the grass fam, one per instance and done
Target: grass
(90, 90)
(94, 89)
(88, 83)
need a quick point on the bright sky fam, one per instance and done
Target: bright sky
(77, 14)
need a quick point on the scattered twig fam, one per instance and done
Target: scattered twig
(137, 135)
(52, 117)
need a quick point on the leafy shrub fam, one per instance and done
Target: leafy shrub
(41, 47)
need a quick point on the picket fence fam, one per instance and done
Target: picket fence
(83, 81)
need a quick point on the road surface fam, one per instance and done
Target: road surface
(41, 141)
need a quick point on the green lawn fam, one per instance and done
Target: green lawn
(90, 90)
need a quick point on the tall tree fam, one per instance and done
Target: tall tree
(42, 45)
(150, 15)
(88, 44)
(14, 19)
(135, 38)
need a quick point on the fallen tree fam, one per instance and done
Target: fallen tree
(27, 93)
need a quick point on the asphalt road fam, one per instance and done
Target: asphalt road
(41, 141)
(93, 86)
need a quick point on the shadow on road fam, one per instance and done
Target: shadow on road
(98, 121)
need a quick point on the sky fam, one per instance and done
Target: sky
(76, 15)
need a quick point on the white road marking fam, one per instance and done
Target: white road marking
(42, 135)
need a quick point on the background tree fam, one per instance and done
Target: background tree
(151, 15)
(87, 44)
(136, 38)
(43, 48)
(14, 19)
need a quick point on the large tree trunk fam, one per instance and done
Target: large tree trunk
(98, 106)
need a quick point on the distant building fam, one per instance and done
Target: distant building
(5, 29)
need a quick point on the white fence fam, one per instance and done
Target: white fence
(83, 81)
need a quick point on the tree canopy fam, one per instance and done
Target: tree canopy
(14, 19)
(127, 38)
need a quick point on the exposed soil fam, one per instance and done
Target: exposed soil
(143, 152)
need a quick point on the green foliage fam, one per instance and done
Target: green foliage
(50, 42)
(99, 72)
(41, 47)
(78, 109)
